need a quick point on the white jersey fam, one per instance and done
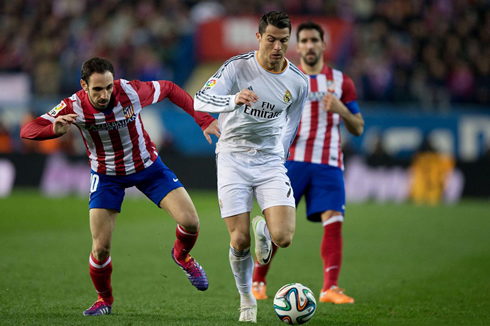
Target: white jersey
(270, 124)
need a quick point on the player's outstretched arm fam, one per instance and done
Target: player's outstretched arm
(212, 129)
(41, 129)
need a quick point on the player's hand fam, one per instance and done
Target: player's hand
(246, 96)
(62, 123)
(332, 104)
(212, 129)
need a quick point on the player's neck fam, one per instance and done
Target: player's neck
(312, 70)
(276, 68)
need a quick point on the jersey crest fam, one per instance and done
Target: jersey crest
(287, 97)
(128, 111)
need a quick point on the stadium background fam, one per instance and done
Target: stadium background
(421, 70)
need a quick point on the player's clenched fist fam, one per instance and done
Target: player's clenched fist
(246, 96)
(62, 123)
(332, 104)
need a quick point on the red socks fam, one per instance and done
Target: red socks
(331, 252)
(260, 271)
(100, 272)
(184, 243)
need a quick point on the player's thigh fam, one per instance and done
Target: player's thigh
(235, 191)
(239, 230)
(106, 192)
(179, 205)
(326, 193)
(299, 174)
(281, 222)
(157, 181)
(274, 187)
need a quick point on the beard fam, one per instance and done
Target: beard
(101, 106)
(311, 60)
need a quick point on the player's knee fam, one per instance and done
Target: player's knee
(191, 227)
(101, 252)
(283, 240)
(240, 241)
(189, 221)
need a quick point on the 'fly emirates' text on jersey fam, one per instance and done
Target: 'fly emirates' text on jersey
(269, 125)
(318, 138)
(115, 139)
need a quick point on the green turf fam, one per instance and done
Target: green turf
(404, 265)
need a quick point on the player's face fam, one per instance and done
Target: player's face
(273, 44)
(99, 89)
(310, 46)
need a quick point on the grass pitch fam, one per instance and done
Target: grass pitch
(404, 265)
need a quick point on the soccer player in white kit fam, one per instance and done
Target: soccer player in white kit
(316, 163)
(260, 97)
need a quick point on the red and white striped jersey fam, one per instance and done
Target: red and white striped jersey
(318, 137)
(115, 139)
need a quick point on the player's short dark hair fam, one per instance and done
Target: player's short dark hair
(309, 25)
(275, 18)
(96, 65)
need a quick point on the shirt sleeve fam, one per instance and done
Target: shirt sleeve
(38, 129)
(42, 127)
(293, 118)
(348, 90)
(156, 91)
(215, 95)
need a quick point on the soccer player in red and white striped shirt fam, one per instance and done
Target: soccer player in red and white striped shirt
(315, 165)
(122, 155)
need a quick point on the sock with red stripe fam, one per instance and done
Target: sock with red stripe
(260, 271)
(100, 272)
(331, 252)
(184, 243)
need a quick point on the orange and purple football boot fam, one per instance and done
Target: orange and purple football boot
(195, 273)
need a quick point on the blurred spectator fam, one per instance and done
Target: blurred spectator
(6, 143)
(206, 10)
(430, 174)
(379, 156)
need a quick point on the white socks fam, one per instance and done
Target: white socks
(242, 266)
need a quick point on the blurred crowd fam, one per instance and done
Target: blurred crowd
(432, 53)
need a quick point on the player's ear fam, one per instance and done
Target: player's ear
(257, 35)
(84, 85)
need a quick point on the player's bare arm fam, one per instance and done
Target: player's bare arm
(353, 122)
(247, 97)
(62, 123)
(212, 129)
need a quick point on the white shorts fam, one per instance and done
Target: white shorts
(243, 175)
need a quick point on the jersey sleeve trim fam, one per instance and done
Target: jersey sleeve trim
(353, 107)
